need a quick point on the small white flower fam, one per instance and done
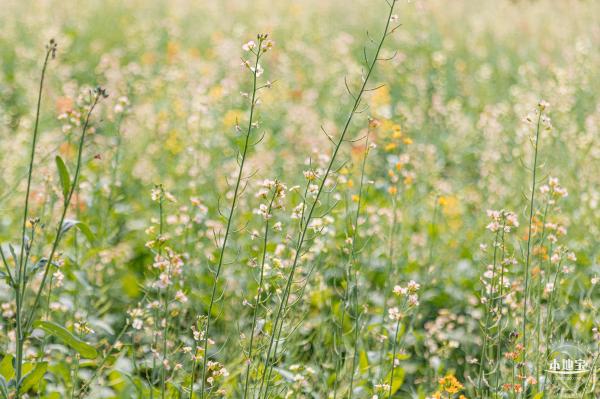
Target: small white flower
(249, 46)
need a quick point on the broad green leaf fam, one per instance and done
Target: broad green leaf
(84, 349)
(63, 173)
(363, 361)
(398, 379)
(68, 224)
(6, 367)
(87, 232)
(34, 376)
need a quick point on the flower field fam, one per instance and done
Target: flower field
(299, 199)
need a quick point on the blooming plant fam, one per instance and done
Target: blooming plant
(375, 199)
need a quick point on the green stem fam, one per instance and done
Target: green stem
(229, 221)
(352, 262)
(259, 292)
(529, 233)
(394, 358)
(278, 323)
(488, 307)
(20, 283)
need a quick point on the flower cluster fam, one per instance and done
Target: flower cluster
(409, 292)
(448, 387)
(502, 219)
(554, 190)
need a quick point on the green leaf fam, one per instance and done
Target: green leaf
(87, 232)
(363, 361)
(398, 379)
(285, 374)
(34, 376)
(68, 224)
(63, 173)
(84, 349)
(6, 367)
(3, 387)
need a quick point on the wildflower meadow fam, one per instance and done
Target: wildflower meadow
(299, 199)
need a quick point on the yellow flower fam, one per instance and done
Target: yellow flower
(450, 384)
(381, 97)
(390, 147)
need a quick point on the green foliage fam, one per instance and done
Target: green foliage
(66, 337)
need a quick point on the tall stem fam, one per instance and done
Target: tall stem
(352, 262)
(529, 233)
(229, 222)
(20, 273)
(394, 358)
(390, 267)
(278, 323)
(258, 293)
(67, 202)
(488, 308)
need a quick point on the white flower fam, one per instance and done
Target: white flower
(413, 286)
(181, 297)
(398, 290)
(249, 46)
(413, 300)
(58, 278)
(137, 324)
(394, 313)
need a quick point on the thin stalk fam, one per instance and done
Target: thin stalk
(100, 366)
(549, 318)
(592, 370)
(156, 324)
(500, 298)
(531, 211)
(20, 274)
(59, 233)
(390, 266)
(193, 374)
(75, 376)
(67, 202)
(284, 301)
(538, 323)
(229, 220)
(488, 308)
(165, 315)
(394, 358)
(258, 293)
(353, 261)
